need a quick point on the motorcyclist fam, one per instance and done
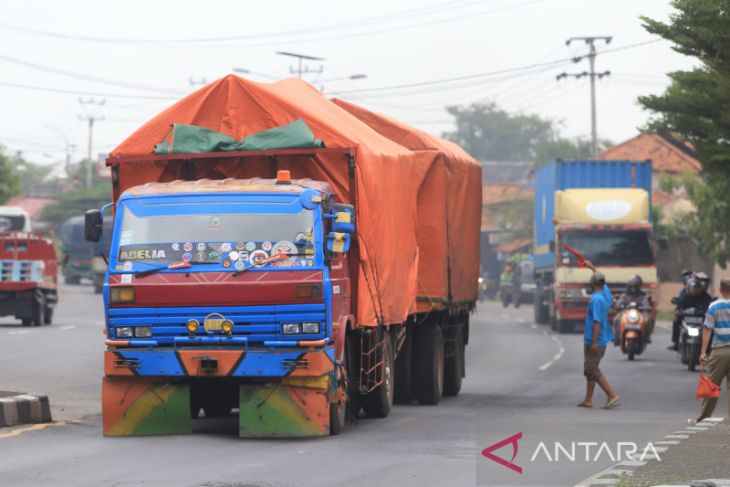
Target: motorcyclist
(633, 294)
(695, 296)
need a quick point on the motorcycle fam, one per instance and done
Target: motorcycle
(690, 337)
(631, 331)
(483, 287)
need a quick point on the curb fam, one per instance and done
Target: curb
(611, 475)
(23, 409)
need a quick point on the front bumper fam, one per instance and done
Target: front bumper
(281, 393)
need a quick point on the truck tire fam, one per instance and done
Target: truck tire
(565, 326)
(429, 362)
(379, 402)
(39, 310)
(338, 412)
(49, 316)
(540, 310)
(403, 393)
(72, 280)
(454, 367)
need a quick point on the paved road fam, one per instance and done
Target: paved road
(518, 380)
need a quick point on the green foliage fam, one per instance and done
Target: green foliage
(30, 173)
(76, 202)
(668, 183)
(9, 178)
(696, 106)
(490, 133)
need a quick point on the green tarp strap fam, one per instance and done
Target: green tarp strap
(191, 139)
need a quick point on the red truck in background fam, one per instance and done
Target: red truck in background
(28, 276)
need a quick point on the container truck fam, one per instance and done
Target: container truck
(601, 209)
(296, 279)
(28, 276)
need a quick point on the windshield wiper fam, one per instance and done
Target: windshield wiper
(172, 265)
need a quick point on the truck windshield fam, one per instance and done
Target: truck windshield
(231, 239)
(608, 247)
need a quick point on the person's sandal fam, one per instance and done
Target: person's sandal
(613, 404)
(584, 405)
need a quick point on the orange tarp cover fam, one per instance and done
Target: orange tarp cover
(388, 175)
(448, 198)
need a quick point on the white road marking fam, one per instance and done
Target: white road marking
(667, 442)
(533, 326)
(521, 320)
(20, 332)
(505, 315)
(67, 327)
(556, 357)
(676, 437)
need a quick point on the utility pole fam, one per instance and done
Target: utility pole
(70, 148)
(301, 69)
(90, 118)
(592, 53)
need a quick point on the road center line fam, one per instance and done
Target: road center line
(556, 357)
(20, 332)
(67, 327)
(34, 427)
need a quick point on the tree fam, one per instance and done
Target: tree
(76, 202)
(696, 106)
(9, 179)
(490, 133)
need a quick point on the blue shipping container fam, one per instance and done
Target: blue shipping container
(559, 175)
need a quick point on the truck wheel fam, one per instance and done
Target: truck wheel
(26, 322)
(540, 310)
(454, 367)
(338, 411)
(403, 393)
(39, 310)
(49, 316)
(379, 402)
(429, 354)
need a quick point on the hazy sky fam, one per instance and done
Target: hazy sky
(149, 51)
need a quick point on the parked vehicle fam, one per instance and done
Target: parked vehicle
(690, 337)
(14, 218)
(28, 269)
(274, 276)
(600, 209)
(77, 252)
(632, 330)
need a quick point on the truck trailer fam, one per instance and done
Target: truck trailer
(601, 209)
(275, 253)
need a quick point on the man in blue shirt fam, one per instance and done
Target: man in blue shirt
(717, 321)
(597, 334)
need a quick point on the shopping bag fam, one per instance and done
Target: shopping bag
(707, 388)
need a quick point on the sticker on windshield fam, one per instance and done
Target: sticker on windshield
(240, 246)
(225, 247)
(258, 256)
(226, 263)
(284, 247)
(250, 246)
(176, 246)
(127, 266)
(239, 265)
(187, 257)
(213, 255)
(233, 255)
(201, 257)
(243, 256)
(200, 247)
(143, 254)
(187, 246)
(126, 278)
(266, 246)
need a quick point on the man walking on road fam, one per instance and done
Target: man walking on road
(596, 336)
(717, 320)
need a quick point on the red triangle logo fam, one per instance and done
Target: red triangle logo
(487, 452)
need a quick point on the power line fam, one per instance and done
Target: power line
(404, 14)
(86, 93)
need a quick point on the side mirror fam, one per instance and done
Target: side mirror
(344, 221)
(663, 243)
(338, 242)
(92, 225)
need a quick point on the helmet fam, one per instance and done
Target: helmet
(693, 286)
(685, 275)
(703, 279)
(633, 285)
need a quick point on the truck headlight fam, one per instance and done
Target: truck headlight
(124, 332)
(290, 329)
(310, 328)
(143, 331)
(122, 295)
